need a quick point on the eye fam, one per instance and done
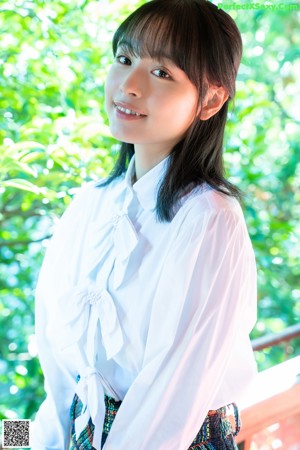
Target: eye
(122, 59)
(161, 73)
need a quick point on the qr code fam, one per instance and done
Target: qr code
(16, 433)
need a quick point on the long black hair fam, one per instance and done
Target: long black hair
(205, 43)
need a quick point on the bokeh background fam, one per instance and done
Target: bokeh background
(54, 137)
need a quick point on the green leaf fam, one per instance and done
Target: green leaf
(21, 184)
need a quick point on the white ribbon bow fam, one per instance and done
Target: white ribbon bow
(90, 391)
(82, 308)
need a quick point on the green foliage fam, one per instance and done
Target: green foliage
(263, 157)
(54, 136)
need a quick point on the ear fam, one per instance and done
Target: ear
(213, 101)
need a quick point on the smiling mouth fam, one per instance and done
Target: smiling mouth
(128, 112)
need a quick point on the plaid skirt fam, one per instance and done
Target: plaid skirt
(216, 432)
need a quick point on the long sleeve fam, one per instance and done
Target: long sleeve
(204, 307)
(51, 427)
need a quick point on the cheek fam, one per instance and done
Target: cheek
(107, 102)
(190, 107)
(109, 88)
(107, 95)
(183, 109)
(183, 100)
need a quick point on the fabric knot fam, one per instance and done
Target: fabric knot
(88, 372)
(115, 220)
(93, 296)
(111, 254)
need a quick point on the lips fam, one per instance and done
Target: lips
(128, 109)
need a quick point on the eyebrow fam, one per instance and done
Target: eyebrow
(160, 55)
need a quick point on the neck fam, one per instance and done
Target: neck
(146, 159)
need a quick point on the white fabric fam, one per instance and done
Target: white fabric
(154, 314)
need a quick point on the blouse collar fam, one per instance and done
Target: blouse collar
(146, 188)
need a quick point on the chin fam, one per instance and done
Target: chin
(124, 137)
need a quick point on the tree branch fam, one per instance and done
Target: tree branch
(23, 242)
(6, 216)
(284, 113)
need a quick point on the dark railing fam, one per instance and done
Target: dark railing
(271, 340)
(280, 404)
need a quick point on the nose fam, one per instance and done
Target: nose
(132, 84)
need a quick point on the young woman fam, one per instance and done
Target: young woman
(147, 293)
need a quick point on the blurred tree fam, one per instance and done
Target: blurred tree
(54, 136)
(263, 156)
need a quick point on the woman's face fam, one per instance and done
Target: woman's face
(150, 103)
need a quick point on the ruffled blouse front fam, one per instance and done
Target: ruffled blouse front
(154, 314)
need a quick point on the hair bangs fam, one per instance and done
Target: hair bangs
(161, 33)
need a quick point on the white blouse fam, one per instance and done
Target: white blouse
(154, 314)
